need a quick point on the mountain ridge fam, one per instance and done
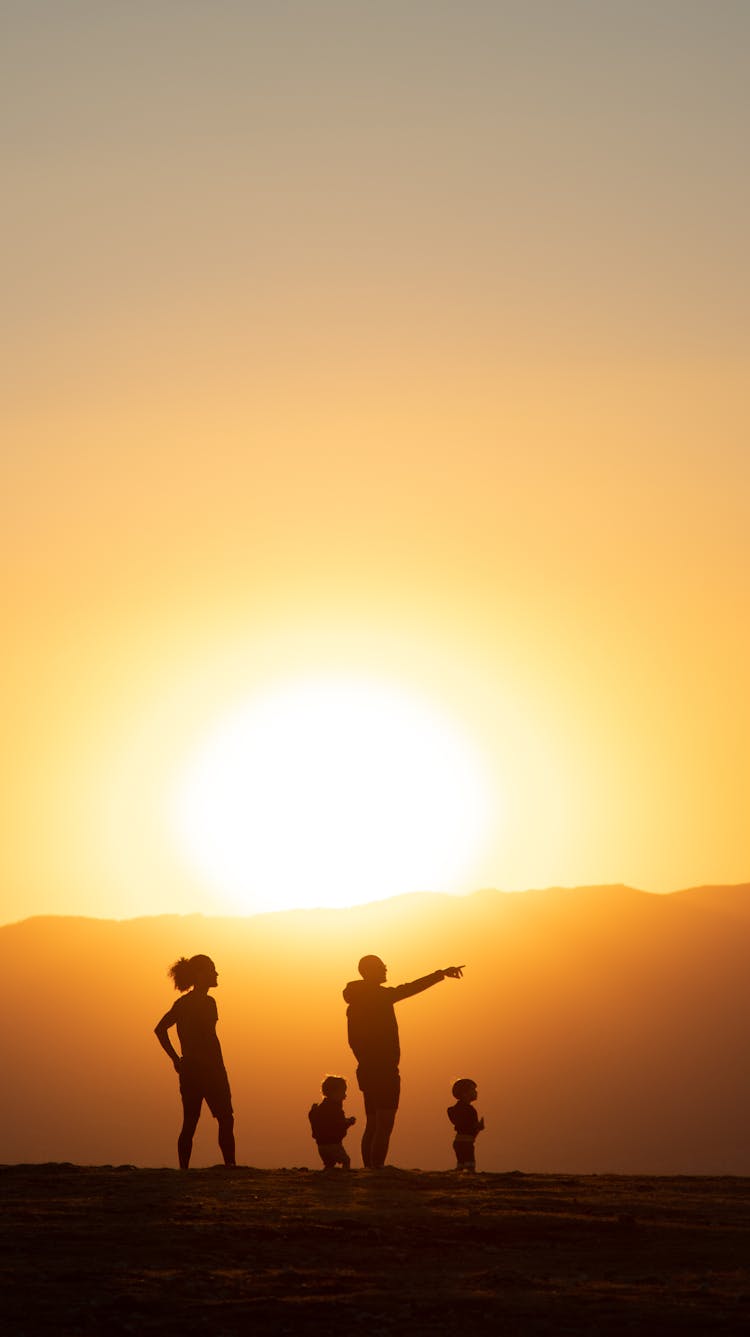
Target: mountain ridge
(701, 894)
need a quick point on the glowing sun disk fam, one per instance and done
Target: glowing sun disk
(331, 792)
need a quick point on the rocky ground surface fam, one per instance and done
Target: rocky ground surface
(117, 1250)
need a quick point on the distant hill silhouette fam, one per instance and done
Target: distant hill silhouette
(606, 1029)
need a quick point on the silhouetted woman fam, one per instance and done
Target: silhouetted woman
(200, 1066)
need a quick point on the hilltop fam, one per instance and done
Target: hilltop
(122, 1250)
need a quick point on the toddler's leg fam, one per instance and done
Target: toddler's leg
(464, 1149)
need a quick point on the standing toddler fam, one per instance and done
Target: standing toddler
(330, 1125)
(466, 1122)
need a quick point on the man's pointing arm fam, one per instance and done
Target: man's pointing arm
(426, 982)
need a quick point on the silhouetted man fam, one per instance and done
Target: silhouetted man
(373, 1036)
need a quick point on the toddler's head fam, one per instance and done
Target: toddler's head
(334, 1088)
(465, 1090)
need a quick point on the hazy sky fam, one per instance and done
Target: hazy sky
(401, 340)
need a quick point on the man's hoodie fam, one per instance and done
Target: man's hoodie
(371, 1020)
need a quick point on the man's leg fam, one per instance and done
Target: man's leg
(384, 1121)
(381, 1088)
(368, 1135)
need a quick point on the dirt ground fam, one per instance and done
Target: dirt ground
(118, 1250)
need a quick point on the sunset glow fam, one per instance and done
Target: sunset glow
(403, 345)
(331, 792)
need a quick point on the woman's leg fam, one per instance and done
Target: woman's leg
(191, 1111)
(226, 1138)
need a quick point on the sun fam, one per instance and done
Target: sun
(331, 792)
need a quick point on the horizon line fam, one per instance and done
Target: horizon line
(384, 900)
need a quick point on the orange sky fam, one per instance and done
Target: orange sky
(406, 341)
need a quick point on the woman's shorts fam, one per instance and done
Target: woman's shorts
(209, 1084)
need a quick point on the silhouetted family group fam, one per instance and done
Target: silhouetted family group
(373, 1038)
